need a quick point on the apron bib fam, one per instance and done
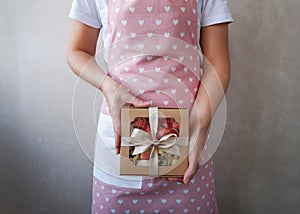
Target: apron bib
(153, 50)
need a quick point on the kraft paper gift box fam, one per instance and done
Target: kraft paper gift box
(154, 141)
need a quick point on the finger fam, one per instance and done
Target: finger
(117, 134)
(163, 178)
(139, 103)
(117, 142)
(177, 179)
(116, 117)
(116, 125)
(189, 173)
(194, 155)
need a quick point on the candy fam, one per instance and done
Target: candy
(175, 125)
(170, 121)
(146, 155)
(173, 162)
(162, 131)
(139, 122)
(163, 163)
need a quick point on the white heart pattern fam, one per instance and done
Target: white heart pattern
(141, 22)
(124, 22)
(149, 9)
(167, 8)
(132, 9)
(128, 20)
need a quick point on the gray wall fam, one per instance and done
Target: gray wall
(258, 162)
(43, 168)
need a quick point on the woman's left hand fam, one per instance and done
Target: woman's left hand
(199, 122)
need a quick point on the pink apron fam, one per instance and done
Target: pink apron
(153, 53)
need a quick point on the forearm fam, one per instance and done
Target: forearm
(212, 88)
(85, 66)
(80, 56)
(216, 69)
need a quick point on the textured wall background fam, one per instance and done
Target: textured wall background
(43, 168)
(258, 163)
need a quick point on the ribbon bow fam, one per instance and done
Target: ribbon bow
(142, 141)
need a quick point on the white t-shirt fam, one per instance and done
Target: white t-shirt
(94, 13)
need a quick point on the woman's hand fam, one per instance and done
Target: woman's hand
(117, 96)
(199, 122)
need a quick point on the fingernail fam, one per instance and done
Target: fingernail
(186, 180)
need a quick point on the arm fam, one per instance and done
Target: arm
(81, 51)
(80, 56)
(216, 76)
(214, 83)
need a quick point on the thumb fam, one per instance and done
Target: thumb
(189, 173)
(139, 103)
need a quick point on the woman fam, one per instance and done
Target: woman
(125, 23)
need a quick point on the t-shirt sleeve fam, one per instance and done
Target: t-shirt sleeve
(215, 12)
(86, 12)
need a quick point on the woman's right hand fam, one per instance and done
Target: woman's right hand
(116, 96)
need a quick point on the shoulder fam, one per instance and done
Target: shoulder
(214, 12)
